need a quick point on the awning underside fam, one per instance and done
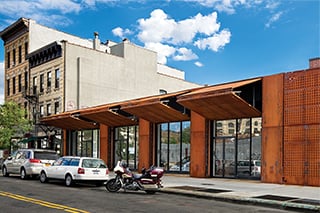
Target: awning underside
(109, 118)
(220, 106)
(70, 122)
(156, 112)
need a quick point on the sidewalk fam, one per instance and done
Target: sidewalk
(301, 198)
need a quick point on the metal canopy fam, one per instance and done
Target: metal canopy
(220, 102)
(158, 109)
(68, 121)
(109, 116)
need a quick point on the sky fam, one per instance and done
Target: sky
(212, 41)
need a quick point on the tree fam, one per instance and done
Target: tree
(12, 123)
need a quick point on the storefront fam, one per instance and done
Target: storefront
(263, 128)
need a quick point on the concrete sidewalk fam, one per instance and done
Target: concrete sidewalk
(300, 198)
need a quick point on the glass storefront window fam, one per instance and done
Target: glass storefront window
(127, 145)
(174, 146)
(237, 148)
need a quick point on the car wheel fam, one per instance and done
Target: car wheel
(23, 174)
(68, 180)
(43, 177)
(5, 172)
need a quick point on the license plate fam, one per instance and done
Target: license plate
(47, 164)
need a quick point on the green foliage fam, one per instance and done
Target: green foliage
(12, 123)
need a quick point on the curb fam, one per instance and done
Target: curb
(245, 200)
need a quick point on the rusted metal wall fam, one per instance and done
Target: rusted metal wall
(145, 144)
(104, 144)
(272, 133)
(198, 146)
(302, 127)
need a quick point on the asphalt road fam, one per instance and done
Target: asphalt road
(18, 196)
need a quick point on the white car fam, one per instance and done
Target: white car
(72, 170)
(28, 162)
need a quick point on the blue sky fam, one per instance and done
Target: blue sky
(213, 41)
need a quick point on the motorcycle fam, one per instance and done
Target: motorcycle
(149, 181)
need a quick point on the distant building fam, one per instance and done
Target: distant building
(50, 72)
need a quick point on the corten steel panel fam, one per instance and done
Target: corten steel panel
(295, 80)
(272, 101)
(312, 114)
(64, 142)
(104, 143)
(294, 115)
(313, 155)
(198, 146)
(271, 152)
(145, 145)
(312, 78)
(312, 95)
(294, 97)
(294, 154)
(108, 117)
(219, 105)
(155, 112)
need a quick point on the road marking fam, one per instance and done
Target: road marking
(42, 203)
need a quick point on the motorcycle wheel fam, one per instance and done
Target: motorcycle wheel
(113, 185)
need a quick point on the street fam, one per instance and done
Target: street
(17, 195)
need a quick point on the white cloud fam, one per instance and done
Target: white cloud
(1, 82)
(185, 54)
(118, 31)
(163, 51)
(48, 12)
(171, 38)
(275, 17)
(214, 42)
(198, 64)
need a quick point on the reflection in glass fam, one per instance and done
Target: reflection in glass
(127, 145)
(237, 147)
(175, 146)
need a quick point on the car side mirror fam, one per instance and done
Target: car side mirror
(10, 158)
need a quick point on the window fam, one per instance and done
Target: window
(14, 85)
(41, 83)
(56, 107)
(8, 87)
(57, 78)
(48, 109)
(20, 54)
(34, 85)
(26, 48)
(49, 80)
(41, 111)
(14, 57)
(173, 149)
(19, 83)
(8, 59)
(25, 80)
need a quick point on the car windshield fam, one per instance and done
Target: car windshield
(45, 155)
(93, 163)
(258, 163)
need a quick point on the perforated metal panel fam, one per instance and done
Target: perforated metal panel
(301, 146)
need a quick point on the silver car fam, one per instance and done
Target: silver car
(28, 162)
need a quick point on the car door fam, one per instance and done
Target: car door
(62, 168)
(52, 170)
(9, 162)
(18, 161)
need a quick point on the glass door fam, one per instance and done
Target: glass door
(224, 157)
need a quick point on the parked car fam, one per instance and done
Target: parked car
(72, 170)
(28, 162)
(243, 167)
